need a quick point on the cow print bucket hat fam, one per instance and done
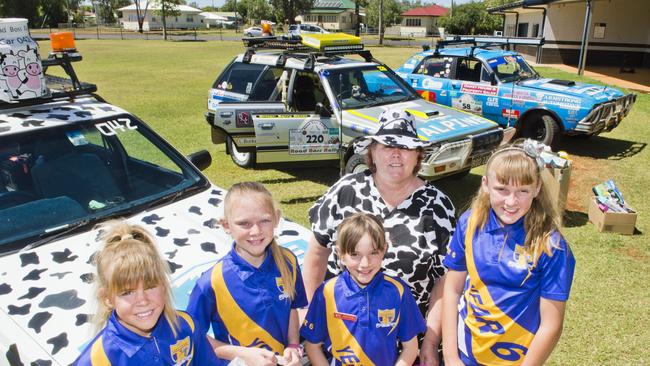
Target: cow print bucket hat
(396, 129)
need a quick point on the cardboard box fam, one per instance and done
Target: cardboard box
(617, 222)
(558, 185)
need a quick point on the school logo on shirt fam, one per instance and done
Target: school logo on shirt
(180, 351)
(386, 318)
(280, 285)
(520, 259)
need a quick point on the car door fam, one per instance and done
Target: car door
(469, 92)
(306, 132)
(430, 79)
(242, 91)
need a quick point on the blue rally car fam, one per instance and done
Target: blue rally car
(502, 86)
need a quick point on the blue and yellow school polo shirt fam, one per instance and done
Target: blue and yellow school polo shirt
(499, 309)
(247, 306)
(361, 326)
(117, 345)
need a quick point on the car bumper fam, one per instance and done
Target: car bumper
(462, 155)
(605, 116)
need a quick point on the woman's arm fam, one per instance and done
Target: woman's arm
(550, 329)
(409, 352)
(314, 266)
(315, 354)
(433, 335)
(453, 288)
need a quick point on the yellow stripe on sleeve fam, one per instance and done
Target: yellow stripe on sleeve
(238, 324)
(345, 347)
(98, 356)
(400, 289)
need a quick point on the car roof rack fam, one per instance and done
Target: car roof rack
(59, 87)
(309, 47)
(486, 42)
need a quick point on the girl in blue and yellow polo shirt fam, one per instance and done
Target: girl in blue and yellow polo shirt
(140, 325)
(251, 295)
(510, 270)
(360, 315)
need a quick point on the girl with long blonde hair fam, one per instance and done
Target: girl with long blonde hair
(510, 269)
(138, 323)
(251, 295)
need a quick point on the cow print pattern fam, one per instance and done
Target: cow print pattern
(49, 290)
(418, 230)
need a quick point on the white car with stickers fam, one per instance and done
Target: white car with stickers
(287, 105)
(70, 160)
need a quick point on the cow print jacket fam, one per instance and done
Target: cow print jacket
(418, 230)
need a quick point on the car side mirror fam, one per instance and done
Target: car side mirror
(322, 111)
(493, 79)
(201, 159)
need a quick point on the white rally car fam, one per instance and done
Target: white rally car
(69, 161)
(286, 105)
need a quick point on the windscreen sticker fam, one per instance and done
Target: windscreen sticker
(313, 138)
(249, 87)
(467, 103)
(77, 138)
(381, 68)
(115, 126)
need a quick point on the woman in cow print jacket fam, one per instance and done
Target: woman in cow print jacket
(419, 219)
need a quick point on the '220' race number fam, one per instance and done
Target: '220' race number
(315, 139)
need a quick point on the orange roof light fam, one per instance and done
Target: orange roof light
(62, 41)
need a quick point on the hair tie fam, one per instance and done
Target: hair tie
(534, 149)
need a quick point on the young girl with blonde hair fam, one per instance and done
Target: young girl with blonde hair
(510, 269)
(250, 296)
(138, 322)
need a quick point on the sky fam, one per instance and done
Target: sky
(445, 3)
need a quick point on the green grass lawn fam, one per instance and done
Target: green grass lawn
(166, 83)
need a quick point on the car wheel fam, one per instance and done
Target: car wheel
(242, 159)
(356, 164)
(541, 127)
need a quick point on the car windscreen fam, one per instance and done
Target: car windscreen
(511, 68)
(362, 87)
(55, 178)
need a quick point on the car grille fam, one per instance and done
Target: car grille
(607, 115)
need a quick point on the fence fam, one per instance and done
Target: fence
(116, 31)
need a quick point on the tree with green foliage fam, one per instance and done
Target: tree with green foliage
(357, 19)
(470, 18)
(239, 7)
(289, 9)
(106, 10)
(258, 9)
(53, 12)
(391, 14)
(27, 9)
(168, 8)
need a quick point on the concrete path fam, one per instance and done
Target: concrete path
(639, 81)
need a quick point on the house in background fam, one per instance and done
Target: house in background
(332, 15)
(420, 22)
(188, 19)
(226, 19)
(617, 32)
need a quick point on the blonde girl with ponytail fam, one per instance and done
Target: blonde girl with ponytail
(510, 269)
(136, 319)
(250, 297)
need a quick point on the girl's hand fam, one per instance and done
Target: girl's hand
(254, 356)
(429, 355)
(292, 356)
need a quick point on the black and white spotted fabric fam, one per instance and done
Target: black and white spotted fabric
(418, 230)
(396, 129)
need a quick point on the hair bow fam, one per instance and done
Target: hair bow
(534, 149)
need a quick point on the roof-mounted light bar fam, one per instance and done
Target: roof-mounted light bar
(529, 41)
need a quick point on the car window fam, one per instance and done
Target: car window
(439, 67)
(368, 86)
(468, 69)
(511, 68)
(293, 27)
(83, 172)
(266, 85)
(307, 91)
(241, 78)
